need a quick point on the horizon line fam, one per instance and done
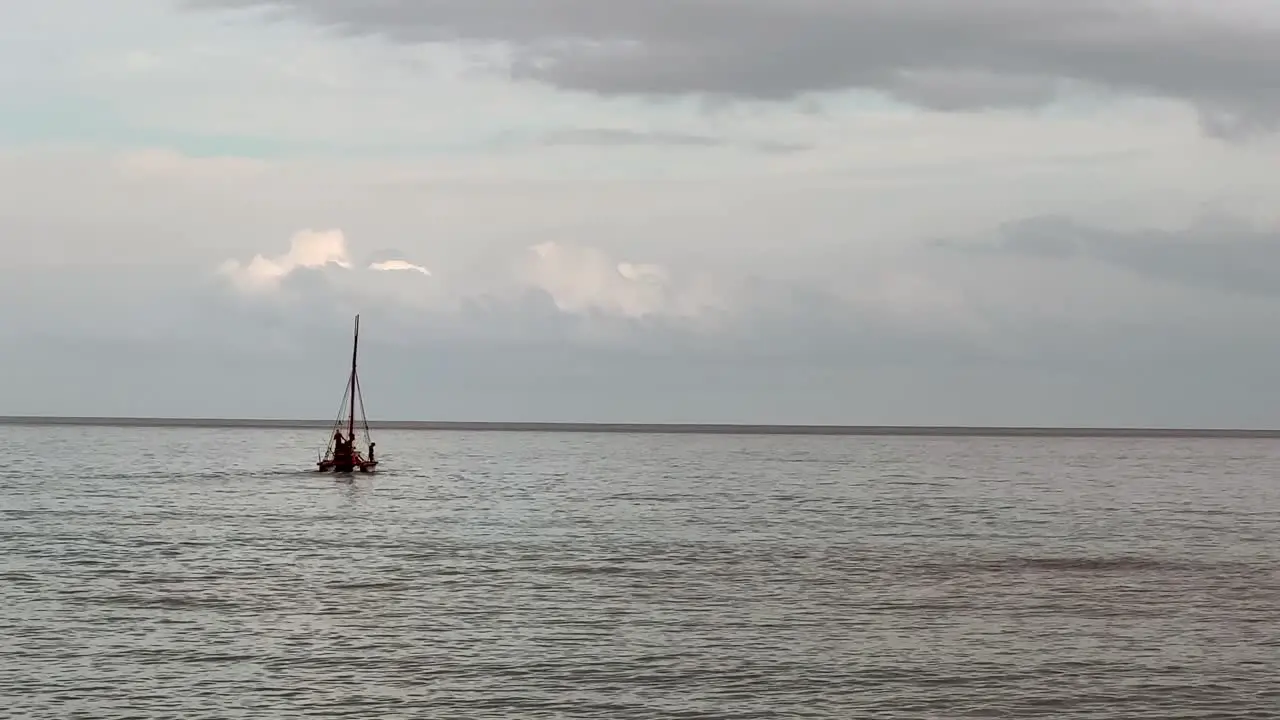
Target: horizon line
(649, 428)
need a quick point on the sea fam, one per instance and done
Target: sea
(208, 573)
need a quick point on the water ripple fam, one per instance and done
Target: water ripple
(576, 576)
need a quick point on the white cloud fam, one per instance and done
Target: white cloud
(398, 266)
(584, 279)
(578, 279)
(307, 249)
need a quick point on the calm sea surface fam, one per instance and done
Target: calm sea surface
(199, 574)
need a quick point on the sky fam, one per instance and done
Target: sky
(994, 212)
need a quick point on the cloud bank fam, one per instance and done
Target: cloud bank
(1024, 292)
(800, 211)
(937, 55)
(1045, 321)
(576, 280)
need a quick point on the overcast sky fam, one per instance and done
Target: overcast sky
(793, 211)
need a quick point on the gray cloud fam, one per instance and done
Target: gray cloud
(427, 375)
(620, 137)
(935, 53)
(609, 137)
(1215, 253)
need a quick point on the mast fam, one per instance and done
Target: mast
(351, 418)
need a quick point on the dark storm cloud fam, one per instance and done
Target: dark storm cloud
(935, 53)
(1215, 254)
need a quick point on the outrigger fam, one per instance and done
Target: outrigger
(341, 454)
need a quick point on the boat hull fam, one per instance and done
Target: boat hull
(364, 466)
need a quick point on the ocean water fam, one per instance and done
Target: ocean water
(185, 573)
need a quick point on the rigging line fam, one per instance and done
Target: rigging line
(364, 419)
(341, 407)
(336, 423)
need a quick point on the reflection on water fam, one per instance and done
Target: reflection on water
(613, 576)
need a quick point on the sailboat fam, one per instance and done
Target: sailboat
(342, 455)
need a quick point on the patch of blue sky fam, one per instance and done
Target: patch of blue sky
(84, 122)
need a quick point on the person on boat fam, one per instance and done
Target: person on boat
(341, 447)
(372, 445)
